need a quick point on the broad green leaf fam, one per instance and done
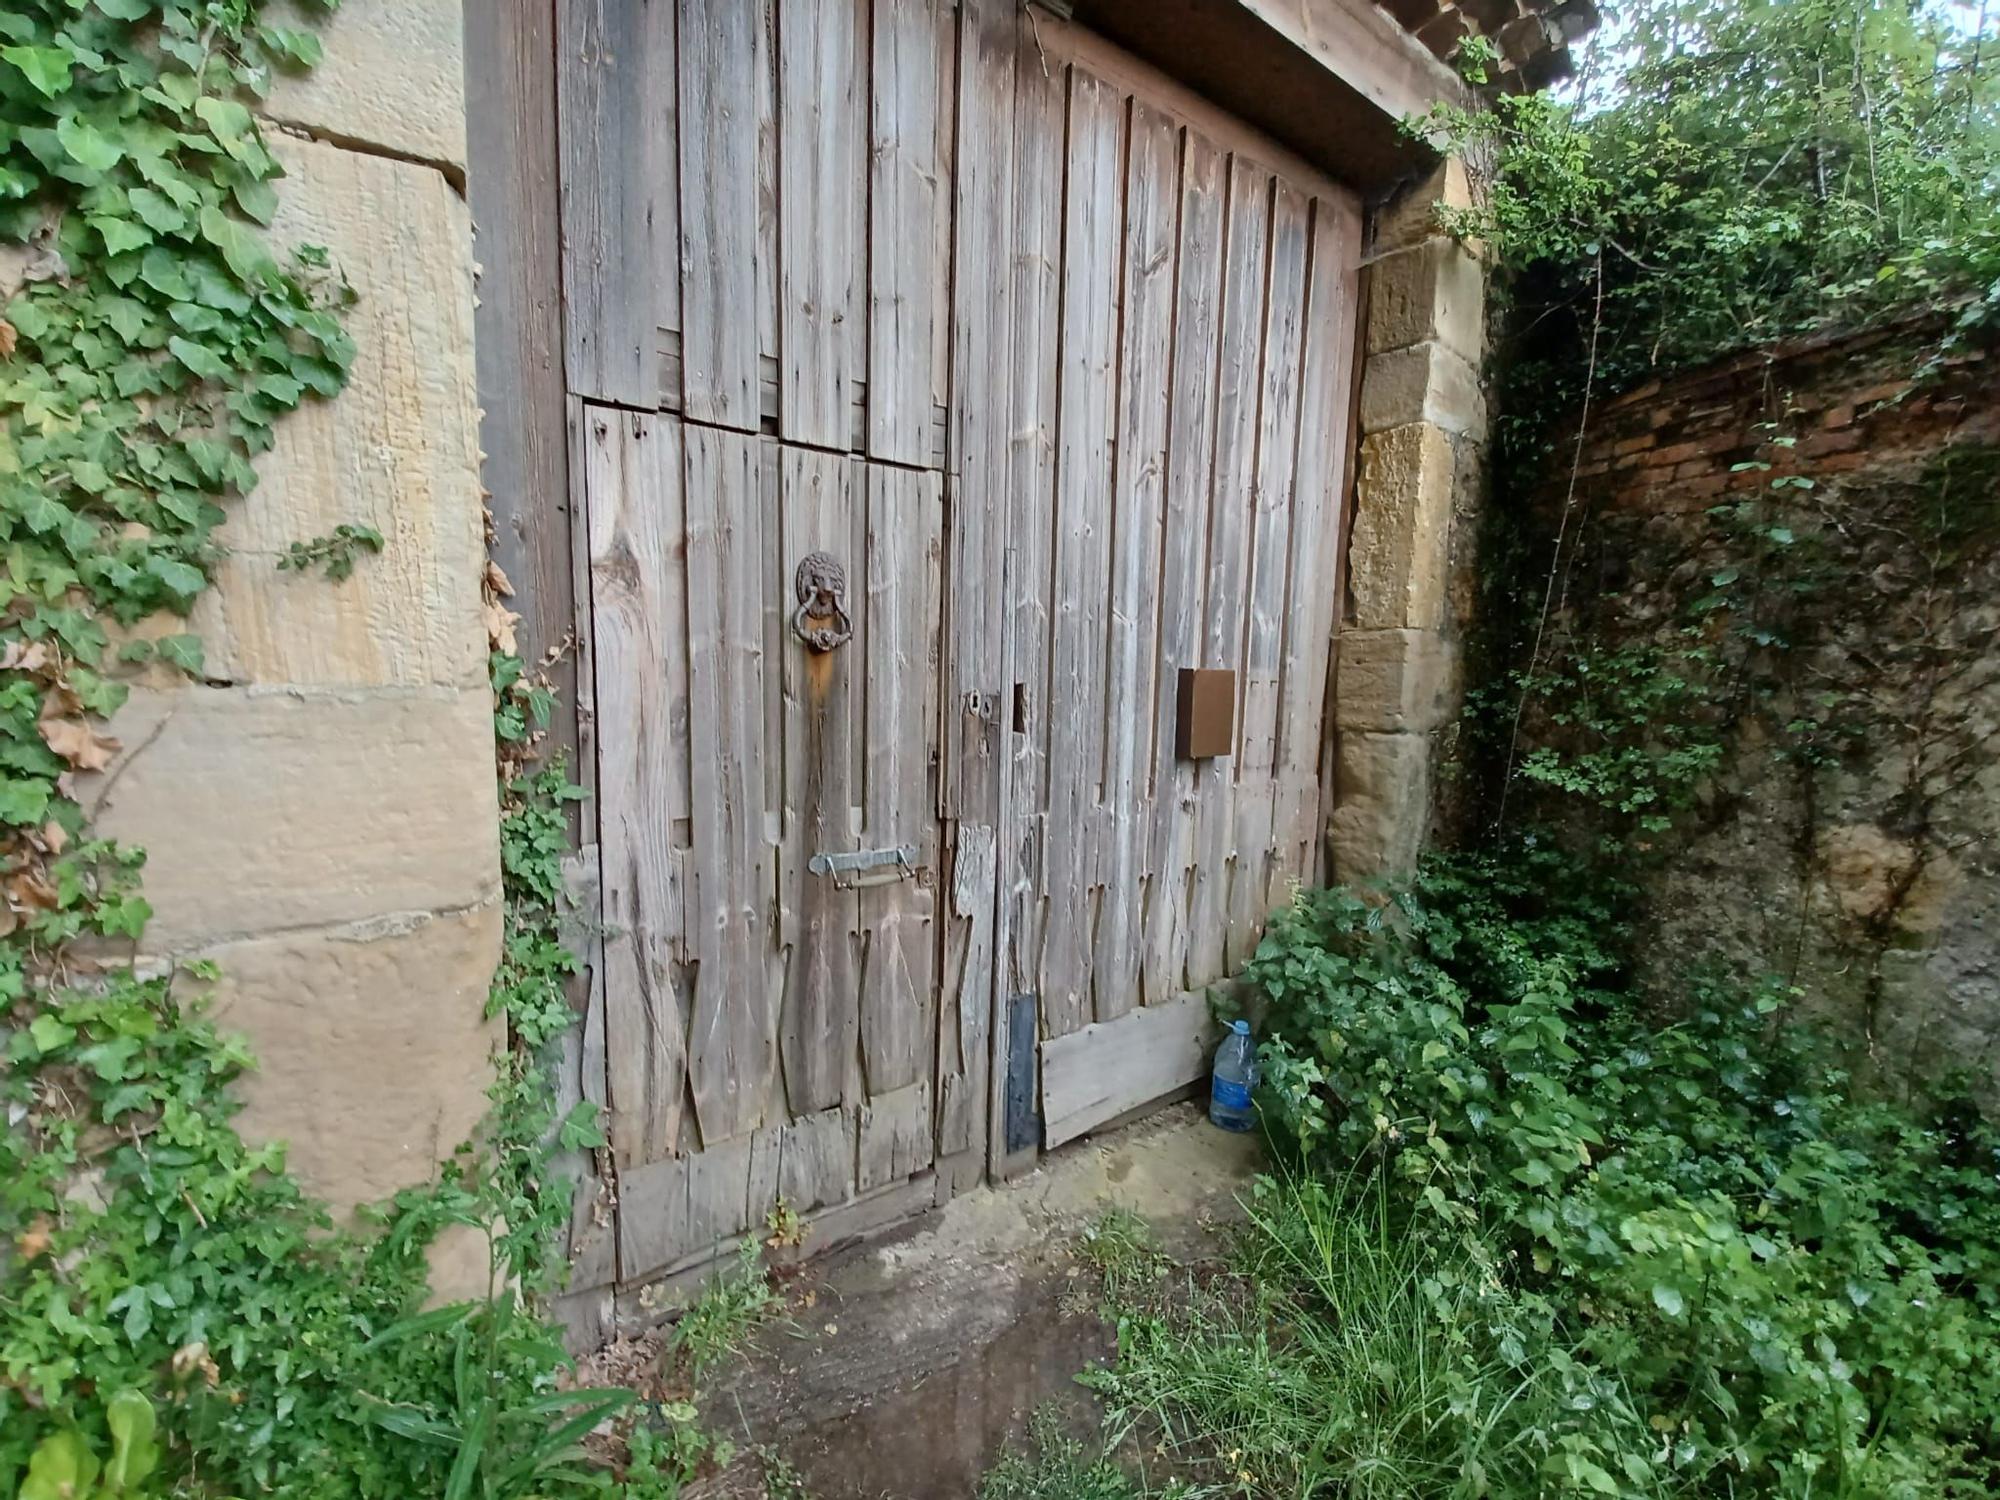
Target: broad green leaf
(134, 1455)
(62, 1467)
(49, 1033)
(225, 118)
(1668, 1299)
(120, 235)
(178, 577)
(47, 68)
(23, 803)
(242, 249)
(184, 651)
(202, 361)
(156, 210)
(87, 146)
(257, 198)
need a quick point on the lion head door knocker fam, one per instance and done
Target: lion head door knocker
(821, 619)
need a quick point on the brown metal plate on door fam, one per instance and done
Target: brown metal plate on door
(1205, 717)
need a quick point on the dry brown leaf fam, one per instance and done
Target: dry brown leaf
(497, 580)
(8, 335)
(55, 838)
(34, 1240)
(76, 742)
(24, 656)
(500, 623)
(30, 890)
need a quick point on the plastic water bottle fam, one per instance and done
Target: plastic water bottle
(1231, 1082)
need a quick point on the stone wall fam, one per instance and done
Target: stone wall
(319, 813)
(1845, 605)
(1418, 484)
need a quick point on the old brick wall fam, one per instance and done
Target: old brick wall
(1842, 609)
(319, 812)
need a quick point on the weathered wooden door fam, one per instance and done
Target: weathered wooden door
(1181, 320)
(942, 383)
(754, 274)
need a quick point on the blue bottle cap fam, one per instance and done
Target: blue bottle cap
(1241, 1028)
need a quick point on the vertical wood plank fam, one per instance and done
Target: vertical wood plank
(719, 49)
(975, 559)
(1152, 175)
(1190, 463)
(1040, 108)
(638, 589)
(1252, 888)
(820, 1020)
(818, 159)
(732, 1042)
(511, 183)
(897, 993)
(617, 127)
(904, 229)
(1239, 362)
(1085, 430)
(1325, 386)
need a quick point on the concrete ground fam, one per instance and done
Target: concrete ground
(906, 1365)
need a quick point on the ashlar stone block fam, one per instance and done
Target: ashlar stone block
(263, 810)
(1426, 382)
(392, 78)
(1394, 680)
(397, 450)
(1398, 557)
(1381, 805)
(371, 1044)
(1434, 291)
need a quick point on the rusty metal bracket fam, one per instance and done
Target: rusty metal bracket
(821, 619)
(865, 867)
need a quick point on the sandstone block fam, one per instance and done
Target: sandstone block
(1424, 383)
(1394, 680)
(372, 1051)
(1435, 290)
(393, 77)
(1398, 555)
(398, 450)
(267, 810)
(1381, 805)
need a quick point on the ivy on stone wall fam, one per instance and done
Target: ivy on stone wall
(176, 1315)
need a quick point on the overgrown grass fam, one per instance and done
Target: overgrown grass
(1055, 1465)
(728, 1311)
(1344, 1356)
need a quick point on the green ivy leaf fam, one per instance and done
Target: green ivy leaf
(227, 120)
(203, 361)
(48, 1033)
(47, 68)
(120, 235)
(183, 651)
(1668, 1299)
(87, 146)
(156, 210)
(242, 249)
(176, 576)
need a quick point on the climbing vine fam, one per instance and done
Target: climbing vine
(176, 1315)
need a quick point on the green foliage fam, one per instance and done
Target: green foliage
(1799, 1290)
(1346, 1356)
(155, 340)
(1054, 1465)
(729, 1308)
(1748, 169)
(149, 343)
(64, 1466)
(336, 551)
(1631, 732)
